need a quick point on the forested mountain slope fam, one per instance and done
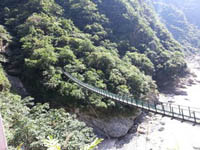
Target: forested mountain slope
(190, 8)
(28, 124)
(117, 45)
(182, 20)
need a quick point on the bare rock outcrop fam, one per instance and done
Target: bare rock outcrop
(17, 86)
(112, 127)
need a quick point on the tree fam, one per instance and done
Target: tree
(5, 38)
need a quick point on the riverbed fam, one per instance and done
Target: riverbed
(162, 133)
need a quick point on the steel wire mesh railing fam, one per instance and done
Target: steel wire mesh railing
(171, 110)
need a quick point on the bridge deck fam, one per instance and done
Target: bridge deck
(183, 113)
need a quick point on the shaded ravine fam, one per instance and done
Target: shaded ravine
(162, 133)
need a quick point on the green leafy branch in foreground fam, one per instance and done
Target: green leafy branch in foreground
(31, 125)
(53, 144)
(93, 144)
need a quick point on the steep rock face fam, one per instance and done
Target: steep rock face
(115, 127)
(17, 86)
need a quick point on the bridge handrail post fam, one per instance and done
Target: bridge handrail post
(182, 114)
(195, 120)
(107, 93)
(148, 105)
(131, 100)
(189, 111)
(113, 96)
(172, 112)
(170, 107)
(119, 97)
(110, 95)
(122, 96)
(155, 106)
(127, 99)
(136, 101)
(163, 108)
(179, 108)
(142, 104)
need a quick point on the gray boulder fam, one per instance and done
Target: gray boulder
(115, 127)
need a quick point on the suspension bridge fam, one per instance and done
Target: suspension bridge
(183, 113)
(173, 111)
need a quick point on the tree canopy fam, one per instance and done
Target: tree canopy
(117, 45)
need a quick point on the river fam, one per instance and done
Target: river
(162, 133)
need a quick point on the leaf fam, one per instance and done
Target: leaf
(20, 146)
(93, 144)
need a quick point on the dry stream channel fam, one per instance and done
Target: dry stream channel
(163, 133)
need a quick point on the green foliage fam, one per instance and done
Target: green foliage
(4, 35)
(42, 58)
(5, 39)
(93, 144)
(117, 45)
(51, 144)
(30, 125)
(46, 6)
(177, 17)
(4, 83)
(141, 61)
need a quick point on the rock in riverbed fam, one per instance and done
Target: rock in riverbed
(180, 92)
(114, 127)
(161, 129)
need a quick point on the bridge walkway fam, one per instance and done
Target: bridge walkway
(183, 113)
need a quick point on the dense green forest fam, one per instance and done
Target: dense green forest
(30, 124)
(190, 8)
(117, 45)
(182, 20)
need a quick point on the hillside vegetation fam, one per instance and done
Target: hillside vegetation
(181, 18)
(28, 124)
(190, 8)
(117, 45)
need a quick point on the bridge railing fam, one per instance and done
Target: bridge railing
(167, 109)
